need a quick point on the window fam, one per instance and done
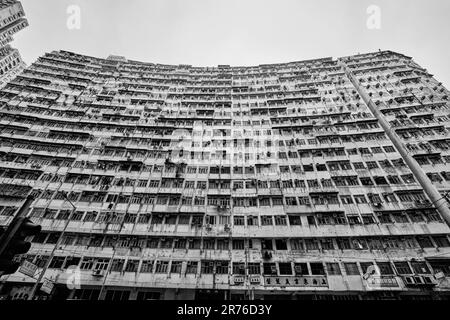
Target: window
(346, 200)
(117, 295)
(416, 216)
(294, 220)
(222, 244)
(207, 267)
(344, 244)
(365, 266)
(238, 244)
(254, 268)
(132, 266)
(189, 184)
(86, 294)
(441, 266)
(360, 199)
(291, 201)
(366, 181)
(222, 267)
(277, 201)
(311, 244)
(297, 244)
(269, 268)
(285, 268)
(358, 165)
(402, 268)
(367, 219)
(238, 268)
(280, 244)
(351, 268)
(333, 268)
(353, 219)
(252, 221)
(420, 267)
(372, 165)
(57, 262)
(201, 185)
(166, 243)
(184, 219)
(192, 267)
(317, 268)
(239, 220)
(408, 178)
(301, 268)
(147, 266)
(194, 243)
(266, 220)
(385, 268)
(441, 241)
(87, 263)
(266, 244)
(327, 244)
(117, 265)
(175, 267)
(162, 266)
(377, 150)
(280, 220)
(425, 242)
(264, 202)
(389, 149)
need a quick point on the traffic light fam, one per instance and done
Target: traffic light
(12, 242)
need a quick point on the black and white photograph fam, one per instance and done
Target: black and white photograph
(226, 153)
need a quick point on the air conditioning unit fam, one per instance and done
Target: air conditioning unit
(298, 269)
(273, 269)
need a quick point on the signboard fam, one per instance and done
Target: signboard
(47, 286)
(238, 280)
(294, 281)
(381, 282)
(27, 268)
(255, 279)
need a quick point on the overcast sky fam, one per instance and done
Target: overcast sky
(239, 32)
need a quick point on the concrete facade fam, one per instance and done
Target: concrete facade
(318, 179)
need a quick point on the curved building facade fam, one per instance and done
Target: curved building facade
(318, 179)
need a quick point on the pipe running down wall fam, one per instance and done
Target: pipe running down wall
(438, 200)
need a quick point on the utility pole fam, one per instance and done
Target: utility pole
(47, 263)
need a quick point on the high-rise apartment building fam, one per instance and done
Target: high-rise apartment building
(318, 179)
(12, 20)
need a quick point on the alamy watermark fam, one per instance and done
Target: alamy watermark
(374, 18)
(74, 17)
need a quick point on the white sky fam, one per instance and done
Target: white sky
(239, 32)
